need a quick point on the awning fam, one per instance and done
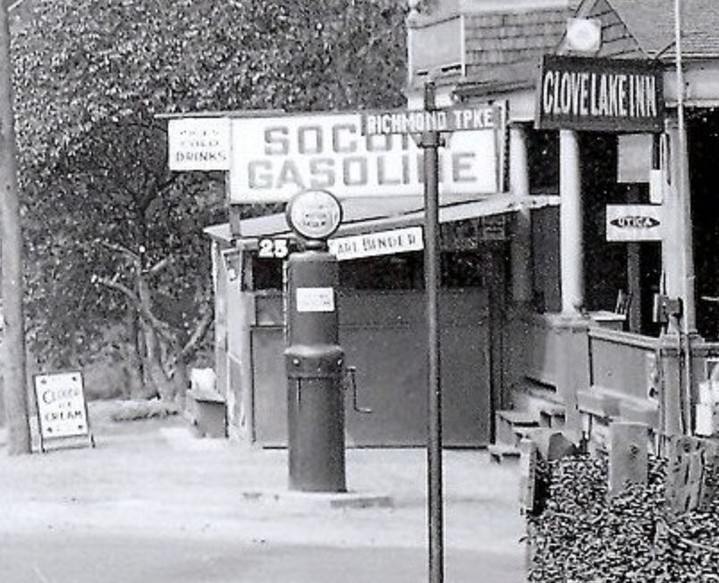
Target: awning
(372, 215)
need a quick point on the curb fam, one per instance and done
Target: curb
(308, 500)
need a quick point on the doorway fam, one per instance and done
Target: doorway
(703, 146)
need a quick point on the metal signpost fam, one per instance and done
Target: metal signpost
(430, 144)
(429, 123)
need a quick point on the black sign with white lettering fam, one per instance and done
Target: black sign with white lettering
(612, 95)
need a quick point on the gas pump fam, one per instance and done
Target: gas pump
(314, 360)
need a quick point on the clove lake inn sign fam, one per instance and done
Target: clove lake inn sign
(611, 95)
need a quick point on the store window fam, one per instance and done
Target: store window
(543, 160)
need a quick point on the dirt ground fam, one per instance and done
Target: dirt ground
(152, 484)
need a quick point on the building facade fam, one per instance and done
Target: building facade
(548, 319)
(598, 329)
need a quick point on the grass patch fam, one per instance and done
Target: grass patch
(139, 410)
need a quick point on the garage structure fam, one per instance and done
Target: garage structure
(382, 324)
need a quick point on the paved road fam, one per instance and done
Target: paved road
(84, 557)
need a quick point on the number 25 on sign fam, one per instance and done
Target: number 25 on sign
(273, 248)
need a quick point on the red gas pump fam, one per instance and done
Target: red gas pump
(314, 359)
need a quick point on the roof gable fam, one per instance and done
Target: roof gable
(617, 39)
(651, 22)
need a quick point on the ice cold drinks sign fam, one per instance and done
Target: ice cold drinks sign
(61, 405)
(273, 158)
(583, 93)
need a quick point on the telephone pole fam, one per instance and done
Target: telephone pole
(13, 353)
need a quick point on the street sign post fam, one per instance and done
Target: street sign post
(430, 143)
(430, 122)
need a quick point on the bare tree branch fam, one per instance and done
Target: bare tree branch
(160, 265)
(123, 289)
(201, 328)
(163, 186)
(134, 257)
(145, 309)
(142, 307)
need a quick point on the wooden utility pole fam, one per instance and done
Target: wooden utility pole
(13, 353)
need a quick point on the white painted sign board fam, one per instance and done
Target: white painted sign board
(634, 158)
(315, 299)
(62, 411)
(634, 222)
(375, 244)
(201, 143)
(273, 158)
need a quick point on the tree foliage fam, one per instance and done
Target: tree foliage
(114, 239)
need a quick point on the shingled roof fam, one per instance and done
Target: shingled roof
(651, 22)
(509, 38)
(504, 39)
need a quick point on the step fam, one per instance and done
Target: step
(551, 416)
(500, 453)
(517, 418)
(510, 423)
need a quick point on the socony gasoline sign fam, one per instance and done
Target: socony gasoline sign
(61, 405)
(581, 93)
(273, 158)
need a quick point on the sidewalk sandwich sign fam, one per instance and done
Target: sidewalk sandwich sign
(61, 408)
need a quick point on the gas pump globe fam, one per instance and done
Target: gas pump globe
(314, 214)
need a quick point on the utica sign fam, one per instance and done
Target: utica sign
(275, 157)
(583, 93)
(637, 222)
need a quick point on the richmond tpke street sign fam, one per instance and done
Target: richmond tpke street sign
(440, 120)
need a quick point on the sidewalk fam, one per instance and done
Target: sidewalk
(154, 479)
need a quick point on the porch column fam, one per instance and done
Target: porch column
(678, 246)
(571, 248)
(522, 228)
(678, 264)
